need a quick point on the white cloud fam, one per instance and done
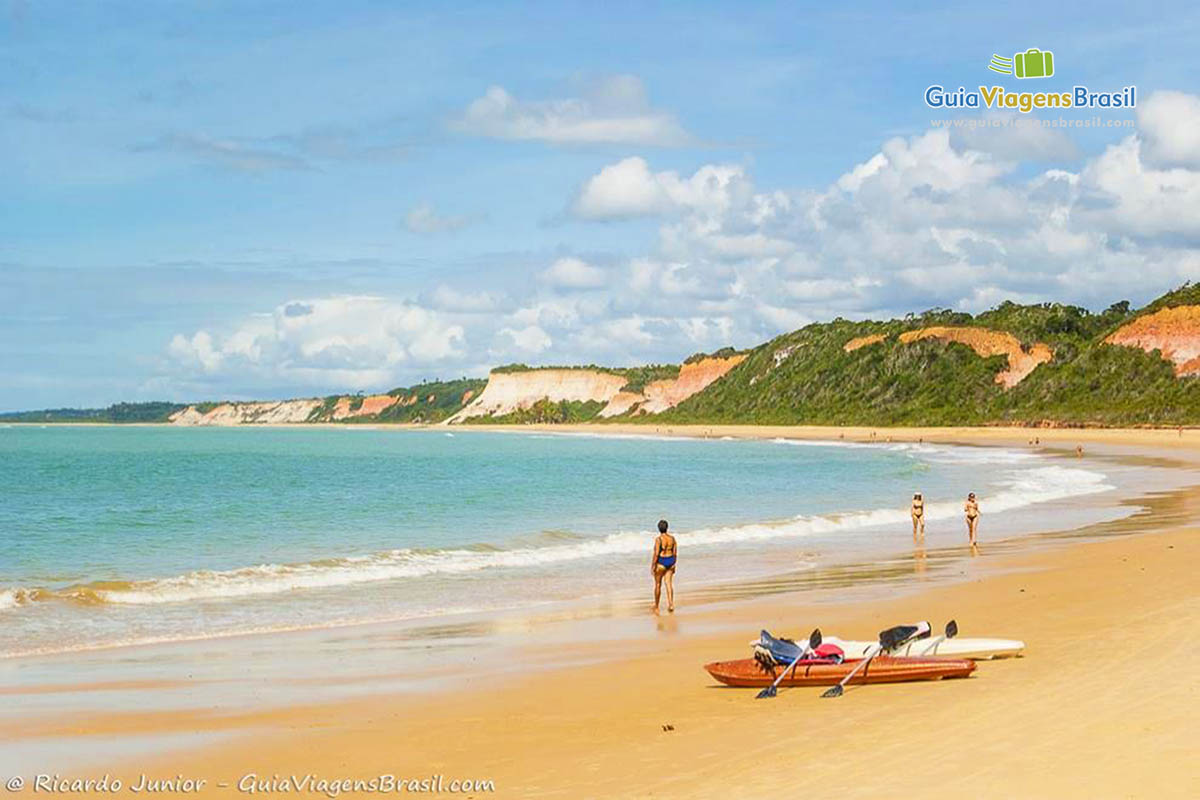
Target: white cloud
(243, 155)
(1170, 123)
(197, 350)
(614, 110)
(629, 189)
(1122, 194)
(1012, 137)
(307, 149)
(925, 222)
(853, 180)
(358, 342)
(624, 189)
(574, 273)
(446, 298)
(528, 341)
(423, 219)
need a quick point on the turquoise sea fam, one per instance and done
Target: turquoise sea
(112, 535)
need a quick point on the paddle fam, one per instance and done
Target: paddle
(814, 641)
(932, 644)
(837, 691)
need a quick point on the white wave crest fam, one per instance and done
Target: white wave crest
(948, 454)
(1026, 487)
(17, 596)
(9, 599)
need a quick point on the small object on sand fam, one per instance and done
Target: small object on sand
(668, 728)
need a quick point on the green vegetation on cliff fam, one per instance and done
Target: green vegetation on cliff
(807, 377)
(433, 401)
(116, 413)
(545, 412)
(429, 402)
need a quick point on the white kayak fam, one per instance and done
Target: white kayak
(978, 649)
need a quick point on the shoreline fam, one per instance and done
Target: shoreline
(859, 569)
(1187, 439)
(682, 428)
(621, 686)
(1183, 442)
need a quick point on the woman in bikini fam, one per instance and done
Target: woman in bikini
(662, 565)
(972, 509)
(918, 515)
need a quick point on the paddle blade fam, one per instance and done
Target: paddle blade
(951, 629)
(833, 691)
(814, 641)
(767, 692)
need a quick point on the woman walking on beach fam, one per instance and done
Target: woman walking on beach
(918, 515)
(662, 565)
(972, 509)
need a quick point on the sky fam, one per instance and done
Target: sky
(251, 200)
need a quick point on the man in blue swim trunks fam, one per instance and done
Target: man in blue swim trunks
(662, 565)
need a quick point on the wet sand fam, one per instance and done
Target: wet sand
(1102, 704)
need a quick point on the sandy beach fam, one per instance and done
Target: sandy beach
(1101, 705)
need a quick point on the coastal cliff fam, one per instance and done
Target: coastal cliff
(1173, 332)
(509, 392)
(277, 413)
(1043, 365)
(598, 392)
(426, 403)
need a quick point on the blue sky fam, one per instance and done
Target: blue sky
(238, 200)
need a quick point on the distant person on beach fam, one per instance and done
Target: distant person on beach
(918, 515)
(662, 565)
(972, 509)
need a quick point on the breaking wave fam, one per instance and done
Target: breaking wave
(1027, 487)
(8, 599)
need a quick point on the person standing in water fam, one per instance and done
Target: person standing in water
(972, 509)
(918, 515)
(662, 565)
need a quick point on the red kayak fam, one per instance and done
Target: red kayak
(883, 669)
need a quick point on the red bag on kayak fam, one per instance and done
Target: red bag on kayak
(829, 652)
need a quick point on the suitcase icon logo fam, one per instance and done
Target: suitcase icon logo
(1033, 63)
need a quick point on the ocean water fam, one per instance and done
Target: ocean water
(112, 536)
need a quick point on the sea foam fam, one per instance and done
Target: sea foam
(1022, 488)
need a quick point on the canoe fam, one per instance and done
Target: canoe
(884, 669)
(976, 649)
